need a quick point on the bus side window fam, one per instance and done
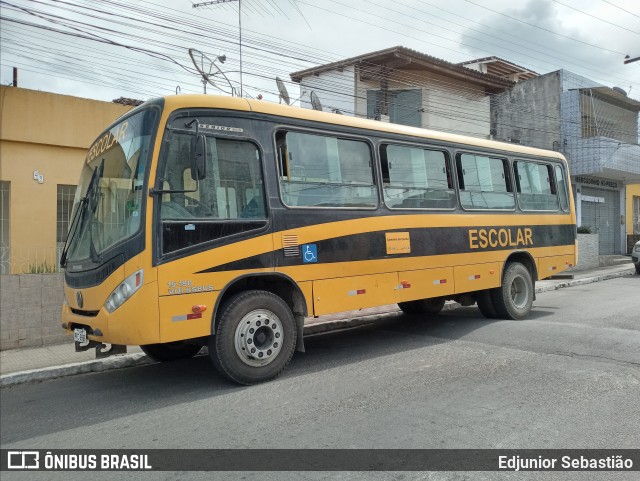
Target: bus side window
(325, 171)
(484, 182)
(416, 178)
(535, 186)
(561, 187)
(283, 159)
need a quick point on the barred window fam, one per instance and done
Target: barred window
(66, 194)
(5, 187)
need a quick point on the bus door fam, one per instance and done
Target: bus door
(211, 221)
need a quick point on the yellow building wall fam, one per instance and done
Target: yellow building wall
(633, 190)
(48, 133)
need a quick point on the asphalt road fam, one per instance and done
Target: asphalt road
(566, 377)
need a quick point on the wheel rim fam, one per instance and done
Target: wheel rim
(258, 338)
(519, 293)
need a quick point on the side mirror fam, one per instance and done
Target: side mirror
(199, 159)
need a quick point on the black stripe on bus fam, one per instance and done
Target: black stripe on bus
(423, 242)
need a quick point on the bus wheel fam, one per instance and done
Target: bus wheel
(513, 299)
(485, 304)
(255, 337)
(422, 306)
(171, 351)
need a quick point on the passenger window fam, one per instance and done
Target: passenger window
(535, 186)
(484, 182)
(562, 188)
(416, 178)
(232, 189)
(325, 171)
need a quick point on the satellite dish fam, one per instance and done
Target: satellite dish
(205, 67)
(284, 95)
(620, 91)
(315, 101)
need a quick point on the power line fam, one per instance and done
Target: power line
(620, 8)
(542, 28)
(471, 118)
(597, 18)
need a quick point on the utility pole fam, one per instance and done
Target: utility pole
(217, 2)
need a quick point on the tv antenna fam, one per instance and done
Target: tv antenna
(216, 2)
(205, 67)
(284, 94)
(315, 101)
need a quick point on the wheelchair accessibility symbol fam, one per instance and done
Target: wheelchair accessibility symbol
(309, 253)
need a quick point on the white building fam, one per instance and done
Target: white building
(407, 87)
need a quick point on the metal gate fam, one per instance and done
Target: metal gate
(601, 212)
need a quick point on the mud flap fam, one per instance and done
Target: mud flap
(101, 349)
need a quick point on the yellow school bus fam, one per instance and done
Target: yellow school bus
(218, 221)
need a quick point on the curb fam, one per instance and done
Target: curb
(140, 359)
(34, 375)
(585, 281)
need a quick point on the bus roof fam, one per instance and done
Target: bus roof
(175, 102)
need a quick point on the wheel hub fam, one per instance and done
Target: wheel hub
(519, 292)
(258, 338)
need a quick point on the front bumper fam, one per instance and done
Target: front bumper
(134, 323)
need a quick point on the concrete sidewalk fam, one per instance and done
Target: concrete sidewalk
(35, 364)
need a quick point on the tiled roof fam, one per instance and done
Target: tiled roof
(420, 60)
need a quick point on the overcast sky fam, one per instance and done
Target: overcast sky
(140, 49)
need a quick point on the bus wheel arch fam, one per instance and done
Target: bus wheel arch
(278, 284)
(526, 259)
(515, 296)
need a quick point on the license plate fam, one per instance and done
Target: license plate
(80, 335)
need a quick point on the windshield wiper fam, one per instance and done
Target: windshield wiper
(72, 232)
(87, 207)
(92, 195)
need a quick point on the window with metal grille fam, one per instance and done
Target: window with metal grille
(5, 188)
(66, 194)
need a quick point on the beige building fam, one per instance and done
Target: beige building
(43, 142)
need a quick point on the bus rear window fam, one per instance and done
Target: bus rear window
(325, 171)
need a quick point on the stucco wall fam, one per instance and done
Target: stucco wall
(633, 190)
(49, 133)
(530, 112)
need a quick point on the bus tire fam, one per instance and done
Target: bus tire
(485, 304)
(245, 348)
(422, 306)
(170, 351)
(513, 299)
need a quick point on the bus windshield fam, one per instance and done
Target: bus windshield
(107, 206)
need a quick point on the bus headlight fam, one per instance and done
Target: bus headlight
(124, 291)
